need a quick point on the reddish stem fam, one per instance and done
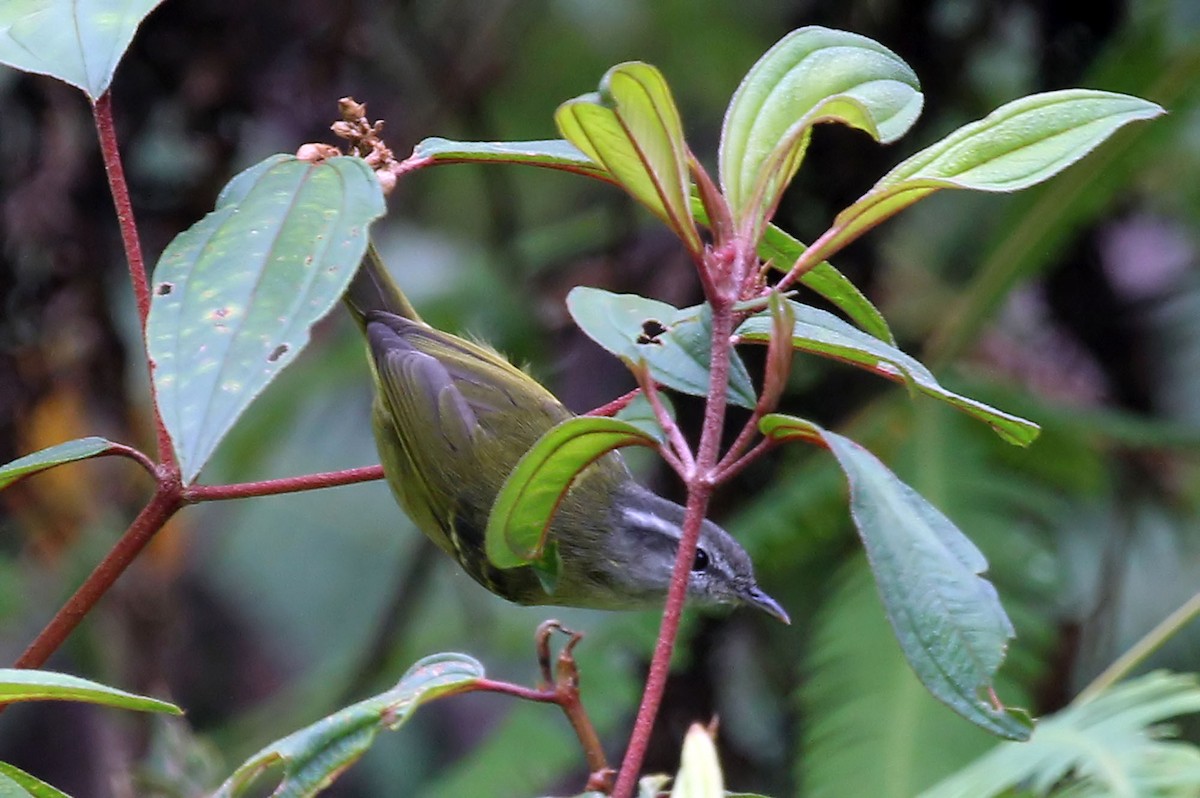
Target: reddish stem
(166, 501)
(272, 487)
(700, 487)
(615, 406)
(107, 133)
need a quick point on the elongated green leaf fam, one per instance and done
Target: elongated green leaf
(824, 334)
(1111, 746)
(632, 129)
(16, 783)
(316, 755)
(699, 770)
(18, 684)
(783, 250)
(675, 344)
(77, 41)
(812, 75)
(947, 618)
(516, 530)
(235, 295)
(1016, 146)
(68, 452)
(549, 153)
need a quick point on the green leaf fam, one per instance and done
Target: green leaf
(516, 529)
(699, 770)
(632, 129)
(19, 684)
(1112, 745)
(783, 250)
(549, 153)
(16, 783)
(640, 414)
(79, 42)
(68, 452)
(824, 334)
(316, 755)
(1016, 146)
(675, 344)
(812, 75)
(235, 295)
(947, 618)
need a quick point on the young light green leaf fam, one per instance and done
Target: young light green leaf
(699, 770)
(1113, 745)
(313, 757)
(67, 452)
(947, 617)
(1016, 146)
(235, 295)
(822, 333)
(516, 529)
(19, 684)
(812, 75)
(80, 42)
(675, 344)
(548, 153)
(632, 129)
(16, 783)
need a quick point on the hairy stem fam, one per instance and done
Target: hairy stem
(273, 487)
(165, 502)
(107, 133)
(700, 487)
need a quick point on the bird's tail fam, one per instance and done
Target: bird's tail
(374, 289)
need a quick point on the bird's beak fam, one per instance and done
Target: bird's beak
(757, 598)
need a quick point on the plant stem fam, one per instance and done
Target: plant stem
(165, 502)
(700, 487)
(109, 151)
(272, 487)
(1151, 642)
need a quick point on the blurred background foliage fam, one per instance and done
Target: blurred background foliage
(1076, 304)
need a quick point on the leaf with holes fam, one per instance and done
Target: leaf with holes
(516, 528)
(675, 344)
(822, 333)
(20, 684)
(811, 75)
(79, 42)
(632, 129)
(947, 618)
(235, 295)
(310, 759)
(1016, 146)
(68, 452)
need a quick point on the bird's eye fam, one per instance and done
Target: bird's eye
(701, 561)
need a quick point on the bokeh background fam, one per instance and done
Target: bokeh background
(1076, 304)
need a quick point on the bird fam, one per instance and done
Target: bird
(451, 419)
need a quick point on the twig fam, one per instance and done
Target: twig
(109, 151)
(700, 488)
(274, 487)
(166, 501)
(561, 688)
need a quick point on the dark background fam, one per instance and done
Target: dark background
(1076, 304)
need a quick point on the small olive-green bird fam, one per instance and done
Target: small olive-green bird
(452, 418)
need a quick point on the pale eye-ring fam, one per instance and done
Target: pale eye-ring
(701, 561)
